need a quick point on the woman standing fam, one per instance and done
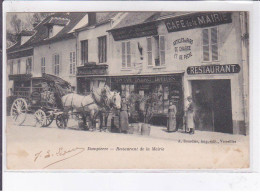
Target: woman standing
(171, 127)
(123, 116)
(190, 116)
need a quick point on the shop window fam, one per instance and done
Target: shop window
(126, 55)
(72, 63)
(18, 66)
(29, 65)
(43, 67)
(12, 68)
(84, 52)
(102, 49)
(127, 89)
(210, 44)
(162, 92)
(56, 64)
(149, 51)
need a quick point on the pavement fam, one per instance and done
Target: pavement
(29, 147)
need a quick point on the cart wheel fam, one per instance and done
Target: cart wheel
(40, 118)
(61, 121)
(49, 119)
(19, 111)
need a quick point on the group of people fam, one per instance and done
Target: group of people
(188, 117)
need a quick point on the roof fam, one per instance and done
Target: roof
(101, 18)
(135, 18)
(57, 21)
(41, 30)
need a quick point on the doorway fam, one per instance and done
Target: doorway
(213, 109)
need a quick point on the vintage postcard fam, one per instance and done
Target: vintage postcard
(127, 90)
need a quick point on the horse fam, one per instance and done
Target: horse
(99, 101)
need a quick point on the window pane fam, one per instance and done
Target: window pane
(149, 51)
(149, 44)
(162, 43)
(214, 52)
(205, 36)
(123, 55)
(150, 58)
(214, 36)
(128, 49)
(206, 53)
(162, 54)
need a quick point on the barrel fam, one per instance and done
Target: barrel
(145, 129)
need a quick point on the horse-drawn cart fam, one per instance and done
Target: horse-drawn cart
(40, 96)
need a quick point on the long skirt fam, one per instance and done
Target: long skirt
(171, 122)
(190, 120)
(124, 121)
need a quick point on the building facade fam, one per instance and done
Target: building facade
(49, 48)
(187, 54)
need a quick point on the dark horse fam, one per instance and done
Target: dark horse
(100, 100)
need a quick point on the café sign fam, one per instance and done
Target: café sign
(213, 69)
(198, 20)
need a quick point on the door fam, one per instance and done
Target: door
(213, 110)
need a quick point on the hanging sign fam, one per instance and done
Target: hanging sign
(213, 69)
(198, 20)
(135, 32)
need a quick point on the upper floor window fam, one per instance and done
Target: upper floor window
(102, 49)
(56, 64)
(11, 68)
(50, 31)
(210, 44)
(162, 50)
(149, 51)
(126, 55)
(72, 63)
(18, 66)
(156, 51)
(84, 52)
(43, 67)
(29, 65)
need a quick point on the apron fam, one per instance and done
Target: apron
(190, 116)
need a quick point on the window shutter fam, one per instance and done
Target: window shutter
(123, 55)
(162, 49)
(128, 49)
(214, 43)
(53, 64)
(60, 64)
(149, 51)
(205, 37)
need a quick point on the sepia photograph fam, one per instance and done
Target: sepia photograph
(127, 90)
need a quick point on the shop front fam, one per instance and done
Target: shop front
(91, 76)
(167, 87)
(217, 98)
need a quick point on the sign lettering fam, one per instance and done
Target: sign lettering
(213, 69)
(135, 32)
(198, 20)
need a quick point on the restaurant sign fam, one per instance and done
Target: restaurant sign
(213, 69)
(198, 20)
(146, 79)
(135, 32)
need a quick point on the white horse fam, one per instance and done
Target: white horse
(99, 101)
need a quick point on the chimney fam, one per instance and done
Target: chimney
(92, 18)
